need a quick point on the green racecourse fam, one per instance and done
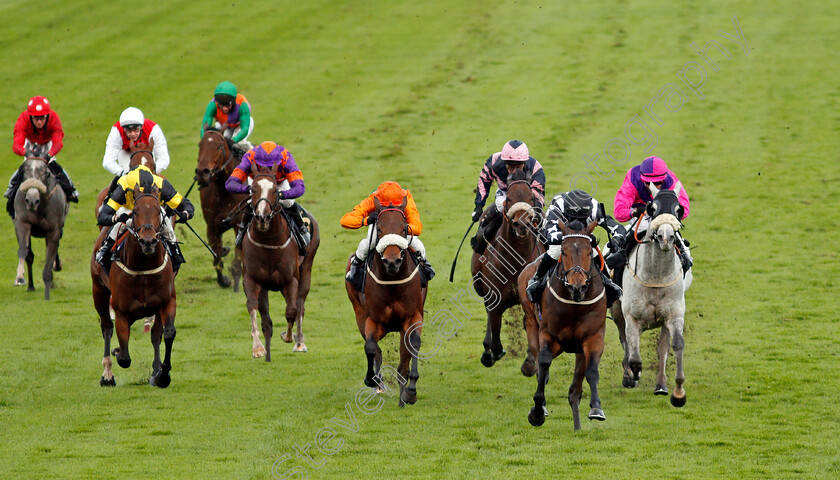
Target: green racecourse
(422, 93)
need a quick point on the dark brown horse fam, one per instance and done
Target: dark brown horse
(393, 301)
(572, 318)
(272, 263)
(216, 163)
(141, 154)
(495, 272)
(40, 211)
(141, 283)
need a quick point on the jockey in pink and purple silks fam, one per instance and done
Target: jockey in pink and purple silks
(514, 156)
(289, 182)
(641, 183)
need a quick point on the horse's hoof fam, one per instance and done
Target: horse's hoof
(528, 368)
(224, 252)
(371, 383)
(378, 389)
(124, 362)
(107, 383)
(147, 325)
(285, 337)
(31, 288)
(258, 352)
(487, 359)
(223, 281)
(498, 356)
(19, 282)
(628, 382)
(660, 390)
(160, 380)
(536, 417)
(299, 347)
(678, 401)
(409, 396)
(597, 414)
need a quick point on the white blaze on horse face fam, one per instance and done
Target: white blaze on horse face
(266, 186)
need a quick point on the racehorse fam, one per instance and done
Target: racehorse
(271, 260)
(572, 314)
(392, 301)
(140, 283)
(654, 296)
(216, 163)
(140, 154)
(40, 211)
(514, 246)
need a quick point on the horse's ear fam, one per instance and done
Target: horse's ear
(155, 190)
(591, 227)
(561, 226)
(677, 188)
(377, 204)
(274, 168)
(404, 203)
(679, 212)
(651, 209)
(136, 190)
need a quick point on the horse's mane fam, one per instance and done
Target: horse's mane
(576, 225)
(664, 218)
(519, 175)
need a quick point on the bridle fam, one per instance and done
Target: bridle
(564, 274)
(221, 150)
(136, 230)
(407, 233)
(273, 210)
(531, 211)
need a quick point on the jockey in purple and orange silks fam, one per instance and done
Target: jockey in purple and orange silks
(498, 167)
(289, 182)
(641, 183)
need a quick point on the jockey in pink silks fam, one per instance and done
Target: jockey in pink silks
(641, 183)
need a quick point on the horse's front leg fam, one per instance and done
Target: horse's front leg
(493, 350)
(532, 331)
(409, 351)
(156, 335)
(290, 293)
(100, 301)
(678, 398)
(372, 336)
(167, 317)
(252, 293)
(593, 348)
(22, 230)
(634, 358)
(267, 323)
(214, 239)
(123, 332)
(236, 267)
(661, 387)
(618, 319)
(576, 388)
(49, 260)
(536, 416)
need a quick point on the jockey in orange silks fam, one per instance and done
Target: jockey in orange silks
(388, 193)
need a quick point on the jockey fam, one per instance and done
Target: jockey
(641, 184)
(38, 133)
(576, 205)
(388, 193)
(230, 113)
(132, 128)
(289, 183)
(498, 167)
(116, 213)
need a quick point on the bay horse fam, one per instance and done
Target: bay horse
(569, 317)
(514, 246)
(654, 296)
(271, 261)
(140, 154)
(216, 162)
(140, 283)
(392, 301)
(40, 211)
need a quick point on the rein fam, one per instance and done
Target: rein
(221, 150)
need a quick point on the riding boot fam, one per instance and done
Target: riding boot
(537, 283)
(618, 260)
(491, 222)
(104, 255)
(613, 291)
(64, 181)
(685, 256)
(356, 274)
(247, 216)
(14, 184)
(426, 269)
(176, 255)
(302, 226)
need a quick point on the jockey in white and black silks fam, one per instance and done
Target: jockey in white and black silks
(514, 156)
(569, 207)
(116, 212)
(38, 133)
(641, 184)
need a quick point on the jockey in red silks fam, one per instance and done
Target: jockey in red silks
(38, 133)
(364, 214)
(289, 182)
(514, 156)
(641, 184)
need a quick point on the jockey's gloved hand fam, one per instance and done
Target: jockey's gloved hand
(371, 219)
(122, 217)
(183, 216)
(638, 210)
(477, 213)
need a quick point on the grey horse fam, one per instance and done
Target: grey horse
(40, 210)
(654, 297)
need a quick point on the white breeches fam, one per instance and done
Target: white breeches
(230, 133)
(166, 230)
(554, 252)
(500, 200)
(283, 186)
(365, 247)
